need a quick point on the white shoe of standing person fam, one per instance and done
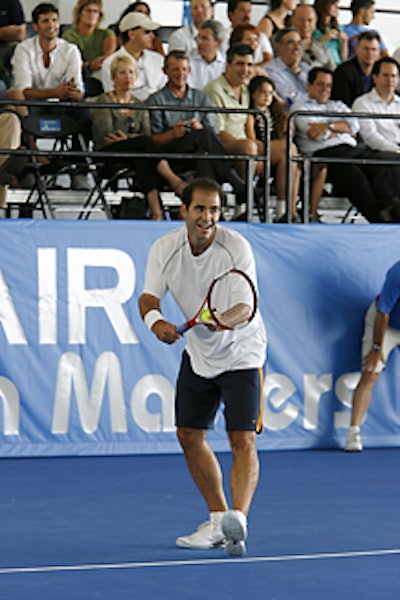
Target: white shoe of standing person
(207, 535)
(234, 528)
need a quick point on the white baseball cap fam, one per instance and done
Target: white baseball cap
(134, 20)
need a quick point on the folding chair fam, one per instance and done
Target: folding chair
(59, 130)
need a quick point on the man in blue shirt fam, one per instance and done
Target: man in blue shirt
(381, 335)
(188, 130)
(363, 12)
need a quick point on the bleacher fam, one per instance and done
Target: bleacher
(68, 203)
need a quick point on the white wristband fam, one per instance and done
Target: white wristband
(152, 317)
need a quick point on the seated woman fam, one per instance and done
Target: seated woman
(278, 16)
(94, 43)
(250, 35)
(262, 98)
(328, 31)
(128, 130)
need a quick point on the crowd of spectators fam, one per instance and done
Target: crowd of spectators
(297, 56)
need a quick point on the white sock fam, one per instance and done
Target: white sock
(354, 429)
(215, 518)
(280, 208)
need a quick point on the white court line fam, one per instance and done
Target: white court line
(198, 562)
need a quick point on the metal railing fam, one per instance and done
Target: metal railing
(95, 155)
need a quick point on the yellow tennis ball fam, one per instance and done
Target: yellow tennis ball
(205, 315)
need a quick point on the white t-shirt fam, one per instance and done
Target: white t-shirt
(172, 267)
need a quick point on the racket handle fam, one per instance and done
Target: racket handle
(182, 328)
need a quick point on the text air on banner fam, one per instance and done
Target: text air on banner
(81, 374)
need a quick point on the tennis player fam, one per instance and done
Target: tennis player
(216, 365)
(381, 335)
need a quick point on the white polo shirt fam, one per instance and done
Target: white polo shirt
(172, 267)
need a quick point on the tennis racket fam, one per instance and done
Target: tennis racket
(230, 303)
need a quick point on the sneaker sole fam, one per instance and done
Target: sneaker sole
(235, 548)
(190, 546)
(233, 527)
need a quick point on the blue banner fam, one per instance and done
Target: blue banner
(81, 374)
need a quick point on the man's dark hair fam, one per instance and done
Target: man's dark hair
(357, 5)
(200, 183)
(280, 34)
(313, 73)
(369, 36)
(386, 59)
(238, 49)
(179, 54)
(233, 4)
(216, 27)
(43, 9)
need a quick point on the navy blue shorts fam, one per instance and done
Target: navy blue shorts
(198, 398)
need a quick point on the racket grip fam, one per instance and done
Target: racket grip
(182, 328)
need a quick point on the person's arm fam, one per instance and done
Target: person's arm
(150, 311)
(12, 33)
(249, 128)
(109, 47)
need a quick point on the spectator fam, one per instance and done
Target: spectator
(335, 137)
(189, 131)
(10, 138)
(383, 135)
(304, 19)
(207, 62)
(381, 336)
(354, 77)
(363, 12)
(278, 17)
(262, 98)
(250, 35)
(239, 13)
(46, 67)
(128, 130)
(328, 30)
(12, 28)
(144, 8)
(95, 44)
(230, 90)
(137, 35)
(287, 70)
(185, 37)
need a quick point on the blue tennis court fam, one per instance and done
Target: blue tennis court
(324, 524)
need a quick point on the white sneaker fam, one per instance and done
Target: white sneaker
(234, 527)
(353, 442)
(208, 535)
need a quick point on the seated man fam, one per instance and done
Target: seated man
(10, 138)
(207, 61)
(383, 135)
(363, 12)
(287, 70)
(46, 67)
(354, 77)
(230, 90)
(185, 37)
(335, 137)
(189, 131)
(304, 19)
(137, 32)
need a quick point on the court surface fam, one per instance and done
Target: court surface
(324, 525)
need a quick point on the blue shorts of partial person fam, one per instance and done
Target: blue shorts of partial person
(198, 398)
